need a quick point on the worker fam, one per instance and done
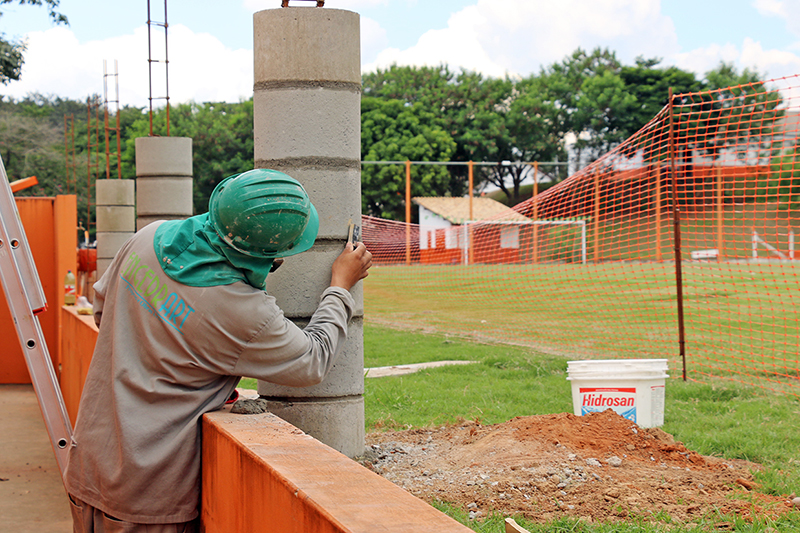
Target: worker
(183, 313)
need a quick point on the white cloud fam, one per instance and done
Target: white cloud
(777, 63)
(788, 10)
(770, 7)
(201, 68)
(702, 60)
(518, 36)
(458, 46)
(204, 70)
(772, 63)
(373, 39)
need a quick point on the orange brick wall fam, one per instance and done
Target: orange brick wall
(50, 226)
(262, 474)
(79, 335)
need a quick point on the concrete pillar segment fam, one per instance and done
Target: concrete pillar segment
(163, 179)
(116, 218)
(307, 123)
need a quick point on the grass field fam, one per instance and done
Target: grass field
(718, 418)
(741, 318)
(522, 323)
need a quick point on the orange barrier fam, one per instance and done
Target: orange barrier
(260, 473)
(680, 243)
(49, 225)
(24, 183)
(78, 337)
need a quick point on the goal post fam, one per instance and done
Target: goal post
(564, 242)
(581, 224)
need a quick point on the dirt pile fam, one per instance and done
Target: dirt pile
(598, 467)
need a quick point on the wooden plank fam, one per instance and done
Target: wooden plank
(513, 527)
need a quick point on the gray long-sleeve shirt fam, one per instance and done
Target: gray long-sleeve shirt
(167, 353)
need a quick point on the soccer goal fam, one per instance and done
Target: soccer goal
(558, 241)
(529, 241)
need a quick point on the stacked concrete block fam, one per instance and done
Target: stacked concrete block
(307, 123)
(116, 218)
(163, 179)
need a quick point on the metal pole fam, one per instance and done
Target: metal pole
(150, 67)
(596, 218)
(468, 235)
(676, 223)
(166, 62)
(720, 241)
(471, 167)
(408, 212)
(536, 212)
(755, 244)
(105, 117)
(74, 179)
(658, 213)
(583, 242)
(88, 162)
(66, 153)
(116, 96)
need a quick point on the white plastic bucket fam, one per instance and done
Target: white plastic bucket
(633, 388)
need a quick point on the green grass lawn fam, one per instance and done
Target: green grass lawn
(522, 323)
(741, 319)
(718, 418)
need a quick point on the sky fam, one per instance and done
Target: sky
(211, 41)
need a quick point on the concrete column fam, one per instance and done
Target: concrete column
(116, 218)
(163, 179)
(307, 123)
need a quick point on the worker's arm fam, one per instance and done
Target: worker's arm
(284, 354)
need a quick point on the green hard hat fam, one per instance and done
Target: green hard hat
(263, 213)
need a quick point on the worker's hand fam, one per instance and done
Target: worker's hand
(351, 266)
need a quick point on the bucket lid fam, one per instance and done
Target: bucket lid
(618, 369)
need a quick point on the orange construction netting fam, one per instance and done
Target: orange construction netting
(587, 268)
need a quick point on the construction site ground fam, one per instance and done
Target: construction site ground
(32, 496)
(599, 467)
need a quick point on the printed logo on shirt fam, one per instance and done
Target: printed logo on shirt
(153, 294)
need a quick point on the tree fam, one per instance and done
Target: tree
(650, 85)
(745, 112)
(604, 111)
(32, 143)
(436, 90)
(738, 119)
(578, 101)
(29, 147)
(222, 141)
(530, 130)
(478, 114)
(393, 130)
(11, 52)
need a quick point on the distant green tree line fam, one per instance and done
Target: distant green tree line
(589, 101)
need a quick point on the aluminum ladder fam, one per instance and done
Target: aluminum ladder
(26, 299)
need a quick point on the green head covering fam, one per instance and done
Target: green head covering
(191, 252)
(253, 218)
